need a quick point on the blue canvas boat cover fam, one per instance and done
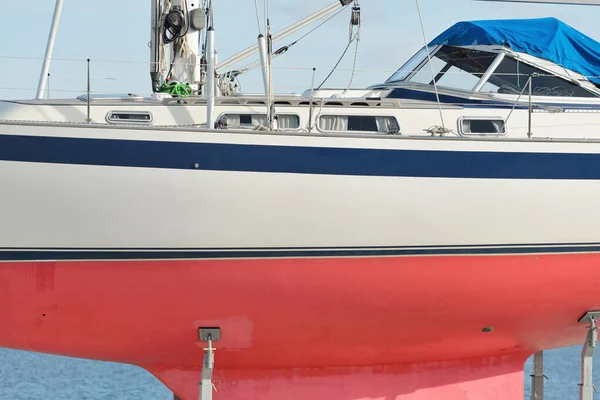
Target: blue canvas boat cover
(546, 38)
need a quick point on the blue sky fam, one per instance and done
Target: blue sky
(118, 30)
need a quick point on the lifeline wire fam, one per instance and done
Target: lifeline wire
(437, 95)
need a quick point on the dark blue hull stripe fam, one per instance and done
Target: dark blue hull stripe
(300, 160)
(201, 254)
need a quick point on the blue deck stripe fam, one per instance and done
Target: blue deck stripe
(467, 102)
(300, 160)
(412, 94)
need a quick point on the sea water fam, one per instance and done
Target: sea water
(30, 376)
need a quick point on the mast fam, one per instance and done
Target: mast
(175, 34)
(210, 71)
(49, 49)
(155, 46)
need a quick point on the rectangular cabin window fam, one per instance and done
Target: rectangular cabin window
(359, 123)
(233, 121)
(246, 120)
(129, 117)
(482, 126)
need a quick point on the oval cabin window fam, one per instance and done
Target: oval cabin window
(129, 117)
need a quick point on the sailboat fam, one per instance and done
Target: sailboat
(416, 239)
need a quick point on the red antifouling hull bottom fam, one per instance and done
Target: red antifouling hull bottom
(451, 327)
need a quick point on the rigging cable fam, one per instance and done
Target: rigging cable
(202, 39)
(176, 26)
(437, 95)
(207, 6)
(271, 114)
(163, 62)
(337, 64)
(286, 48)
(355, 21)
(209, 22)
(282, 50)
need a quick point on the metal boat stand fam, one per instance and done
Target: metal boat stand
(208, 335)
(587, 387)
(537, 378)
